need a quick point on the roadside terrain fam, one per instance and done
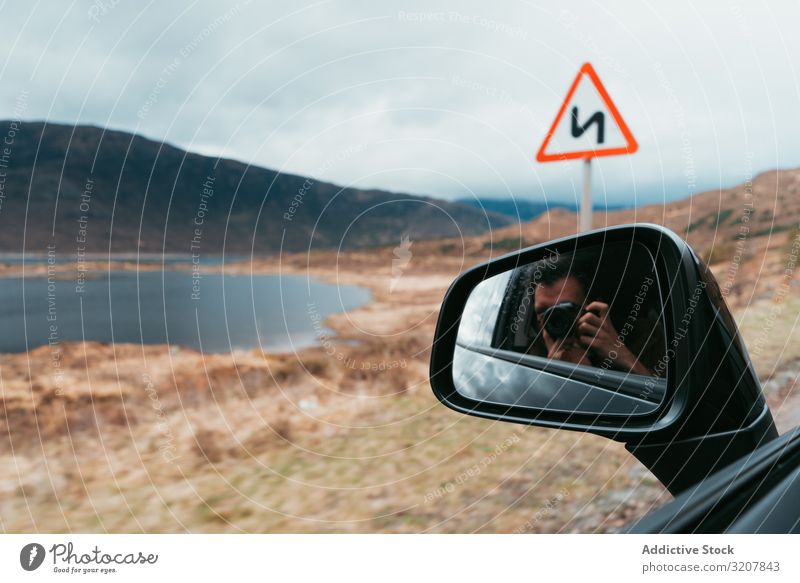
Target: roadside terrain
(347, 436)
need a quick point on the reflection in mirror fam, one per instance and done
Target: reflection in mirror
(572, 332)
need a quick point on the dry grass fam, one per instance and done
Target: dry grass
(167, 440)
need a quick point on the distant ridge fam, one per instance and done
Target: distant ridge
(719, 224)
(524, 210)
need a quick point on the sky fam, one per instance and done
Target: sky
(447, 99)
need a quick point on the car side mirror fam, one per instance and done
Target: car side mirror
(577, 332)
(620, 332)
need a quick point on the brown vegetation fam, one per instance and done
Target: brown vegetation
(347, 437)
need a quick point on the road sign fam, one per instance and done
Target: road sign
(588, 125)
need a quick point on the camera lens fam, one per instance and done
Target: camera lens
(560, 319)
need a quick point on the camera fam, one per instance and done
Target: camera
(559, 320)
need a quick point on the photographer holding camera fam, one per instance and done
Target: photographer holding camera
(576, 331)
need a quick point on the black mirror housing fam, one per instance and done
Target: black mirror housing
(712, 395)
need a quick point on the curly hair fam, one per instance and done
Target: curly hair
(567, 265)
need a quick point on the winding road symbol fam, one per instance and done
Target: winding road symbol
(595, 126)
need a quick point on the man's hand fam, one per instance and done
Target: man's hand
(566, 350)
(597, 333)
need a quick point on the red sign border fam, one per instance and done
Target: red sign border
(632, 146)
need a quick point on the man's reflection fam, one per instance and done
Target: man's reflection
(575, 328)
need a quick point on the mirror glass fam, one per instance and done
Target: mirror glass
(580, 331)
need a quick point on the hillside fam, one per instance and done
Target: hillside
(81, 186)
(713, 221)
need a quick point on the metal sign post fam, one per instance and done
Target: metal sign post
(585, 222)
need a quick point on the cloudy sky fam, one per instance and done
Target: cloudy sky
(450, 99)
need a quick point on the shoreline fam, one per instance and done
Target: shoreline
(239, 268)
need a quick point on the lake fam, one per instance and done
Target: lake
(215, 313)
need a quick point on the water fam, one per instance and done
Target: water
(214, 314)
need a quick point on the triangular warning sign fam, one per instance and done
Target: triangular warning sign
(588, 124)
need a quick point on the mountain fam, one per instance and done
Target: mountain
(85, 189)
(524, 210)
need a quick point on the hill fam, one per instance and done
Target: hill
(82, 188)
(714, 222)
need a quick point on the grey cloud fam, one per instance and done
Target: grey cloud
(443, 98)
